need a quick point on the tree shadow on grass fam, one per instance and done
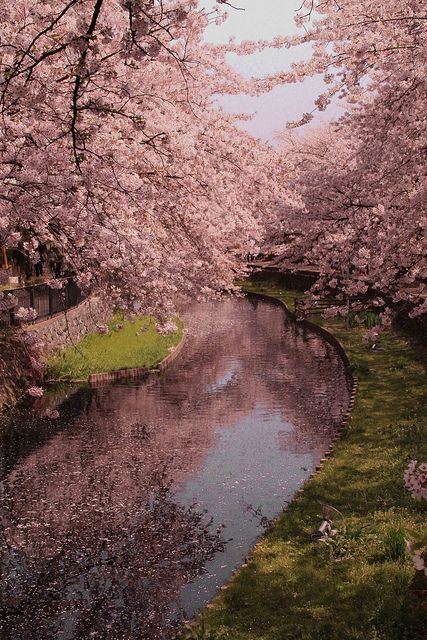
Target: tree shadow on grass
(316, 598)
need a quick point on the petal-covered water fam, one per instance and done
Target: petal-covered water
(126, 514)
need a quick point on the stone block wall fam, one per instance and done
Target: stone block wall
(16, 372)
(69, 327)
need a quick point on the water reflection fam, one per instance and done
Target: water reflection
(129, 511)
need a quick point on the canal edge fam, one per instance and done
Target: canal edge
(353, 380)
(342, 429)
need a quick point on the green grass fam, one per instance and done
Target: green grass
(123, 348)
(362, 585)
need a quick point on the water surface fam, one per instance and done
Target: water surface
(125, 515)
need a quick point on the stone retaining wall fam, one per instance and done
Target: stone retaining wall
(16, 371)
(71, 326)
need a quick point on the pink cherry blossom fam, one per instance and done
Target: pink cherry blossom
(415, 478)
(167, 327)
(362, 179)
(115, 156)
(25, 314)
(53, 414)
(35, 392)
(102, 329)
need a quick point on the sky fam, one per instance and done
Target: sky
(264, 19)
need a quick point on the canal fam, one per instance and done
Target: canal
(124, 516)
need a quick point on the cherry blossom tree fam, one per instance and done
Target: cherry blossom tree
(113, 154)
(362, 179)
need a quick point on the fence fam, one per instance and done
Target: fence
(303, 307)
(46, 300)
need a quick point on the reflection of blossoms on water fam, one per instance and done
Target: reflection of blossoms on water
(53, 414)
(91, 583)
(113, 511)
(35, 392)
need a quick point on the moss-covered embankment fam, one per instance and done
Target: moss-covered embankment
(361, 585)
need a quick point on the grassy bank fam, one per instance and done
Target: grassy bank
(362, 584)
(127, 344)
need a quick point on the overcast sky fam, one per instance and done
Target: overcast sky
(264, 19)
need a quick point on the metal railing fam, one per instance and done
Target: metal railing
(303, 307)
(46, 300)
